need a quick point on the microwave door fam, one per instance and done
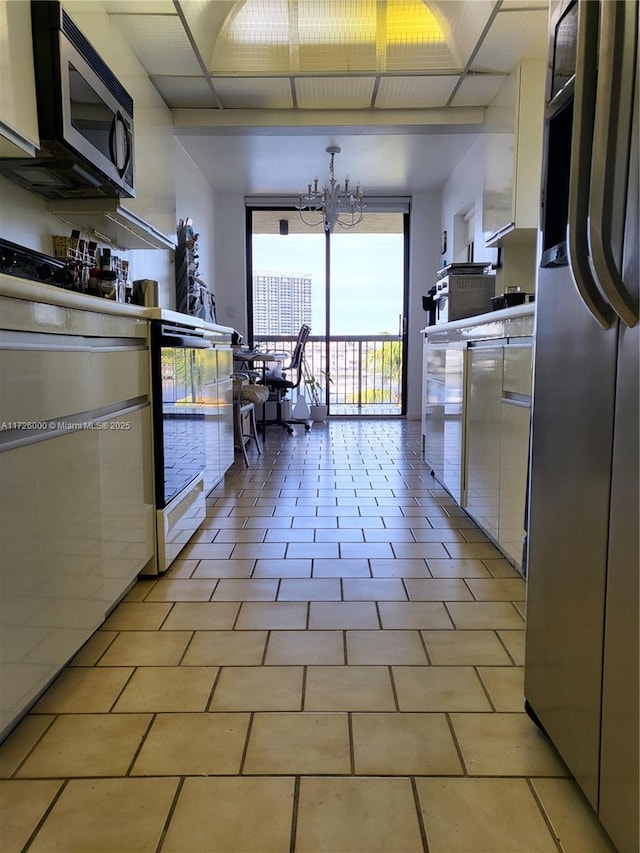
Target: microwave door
(95, 125)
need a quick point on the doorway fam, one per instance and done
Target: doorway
(351, 287)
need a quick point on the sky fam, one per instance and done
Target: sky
(366, 277)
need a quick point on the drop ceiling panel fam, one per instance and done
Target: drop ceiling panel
(254, 93)
(340, 93)
(190, 93)
(414, 92)
(478, 91)
(463, 22)
(513, 36)
(232, 58)
(160, 43)
(336, 57)
(140, 7)
(435, 56)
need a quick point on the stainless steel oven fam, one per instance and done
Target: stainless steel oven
(183, 372)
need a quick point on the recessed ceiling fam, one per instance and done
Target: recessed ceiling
(399, 84)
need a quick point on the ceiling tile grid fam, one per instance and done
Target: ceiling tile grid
(160, 43)
(257, 93)
(414, 92)
(190, 93)
(340, 93)
(513, 36)
(477, 89)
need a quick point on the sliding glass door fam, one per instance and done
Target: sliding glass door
(350, 287)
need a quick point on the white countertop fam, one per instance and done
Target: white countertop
(481, 319)
(33, 291)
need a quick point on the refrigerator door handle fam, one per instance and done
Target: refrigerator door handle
(580, 172)
(612, 149)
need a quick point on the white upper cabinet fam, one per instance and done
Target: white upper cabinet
(18, 111)
(513, 157)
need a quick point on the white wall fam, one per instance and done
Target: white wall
(230, 277)
(464, 187)
(423, 263)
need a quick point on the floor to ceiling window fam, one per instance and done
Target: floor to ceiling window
(350, 287)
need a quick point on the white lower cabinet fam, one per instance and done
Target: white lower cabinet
(483, 435)
(51, 561)
(514, 454)
(126, 499)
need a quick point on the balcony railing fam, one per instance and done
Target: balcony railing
(366, 370)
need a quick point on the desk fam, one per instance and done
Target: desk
(247, 359)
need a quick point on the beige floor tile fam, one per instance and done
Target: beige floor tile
(278, 534)
(22, 805)
(514, 641)
(305, 647)
(256, 615)
(282, 569)
(167, 688)
(473, 648)
(343, 614)
(225, 648)
(398, 535)
(93, 649)
(137, 616)
(404, 745)
(310, 589)
(181, 568)
(439, 688)
(505, 745)
(140, 590)
(21, 741)
(107, 815)
(84, 690)
(437, 589)
(385, 647)
(480, 550)
(348, 688)
(87, 745)
(505, 686)
(253, 534)
(261, 551)
(572, 818)
(298, 743)
(357, 815)
(243, 815)
(258, 688)
(313, 550)
(485, 614)
(399, 569)
(246, 590)
(419, 550)
(201, 616)
(339, 535)
(224, 569)
(369, 550)
(192, 745)
(497, 589)
(482, 816)
(146, 648)
(501, 568)
(442, 534)
(373, 589)
(341, 569)
(204, 551)
(458, 569)
(414, 614)
(193, 589)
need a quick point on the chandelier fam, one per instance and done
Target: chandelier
(331, 205)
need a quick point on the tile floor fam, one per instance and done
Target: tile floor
(334, 665)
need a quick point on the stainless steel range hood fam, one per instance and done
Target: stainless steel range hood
(109, 221)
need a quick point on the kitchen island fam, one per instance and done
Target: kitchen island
(476, 406)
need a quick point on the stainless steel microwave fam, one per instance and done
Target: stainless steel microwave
(85, 116)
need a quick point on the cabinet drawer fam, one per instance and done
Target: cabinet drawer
(119, 375)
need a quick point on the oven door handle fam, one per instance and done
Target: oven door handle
(184, 342)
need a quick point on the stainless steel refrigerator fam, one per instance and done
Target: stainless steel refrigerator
(581, 661)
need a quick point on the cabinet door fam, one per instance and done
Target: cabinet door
(126, 496)
(484, 418)
(514, 454)
(443, 413)
(18, 111)
(50, 561)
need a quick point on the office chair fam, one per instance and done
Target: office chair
(279, 385)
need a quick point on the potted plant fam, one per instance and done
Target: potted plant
(318, 408)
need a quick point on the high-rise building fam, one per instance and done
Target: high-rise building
(281, 303)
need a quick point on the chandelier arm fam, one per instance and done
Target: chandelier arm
(332, 202)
